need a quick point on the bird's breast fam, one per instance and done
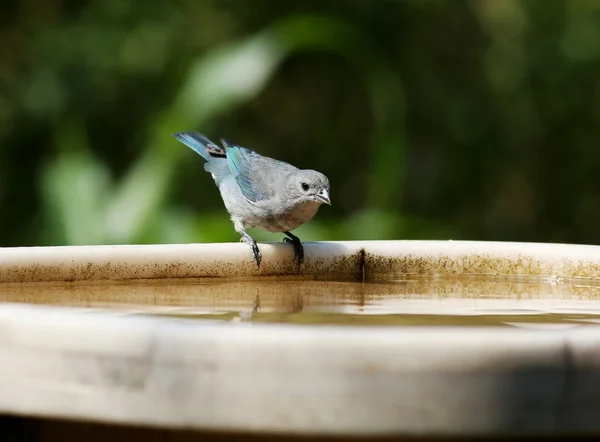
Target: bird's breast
(290, 218)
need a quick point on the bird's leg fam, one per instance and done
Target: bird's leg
(253, 246)
(298, 248)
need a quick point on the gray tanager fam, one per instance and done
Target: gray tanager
(259, 191)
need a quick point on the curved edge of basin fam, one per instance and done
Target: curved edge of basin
(297, 380)
(346, 260)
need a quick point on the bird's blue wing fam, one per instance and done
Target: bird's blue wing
(243, 166)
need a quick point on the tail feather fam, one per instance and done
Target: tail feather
(198, 143)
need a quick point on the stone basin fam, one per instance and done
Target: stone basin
(372, 339)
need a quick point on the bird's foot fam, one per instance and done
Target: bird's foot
(256, 253)
(254, 247)
(298, 248)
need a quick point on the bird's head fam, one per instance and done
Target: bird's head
(309, 186)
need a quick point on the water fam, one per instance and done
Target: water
(549, 303)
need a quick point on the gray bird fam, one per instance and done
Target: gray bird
(259, 191)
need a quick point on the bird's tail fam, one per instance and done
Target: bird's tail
(200, 144)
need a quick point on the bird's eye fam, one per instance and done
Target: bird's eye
(305, 186)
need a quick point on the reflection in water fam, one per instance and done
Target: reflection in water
(407, 300)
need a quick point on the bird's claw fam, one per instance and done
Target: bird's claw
(298, 250)
(256, 253)
(254, 247)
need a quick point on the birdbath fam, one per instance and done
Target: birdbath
(429, 339)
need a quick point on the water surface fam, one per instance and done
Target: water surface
(550, 303)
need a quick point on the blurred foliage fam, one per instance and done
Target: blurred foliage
(432, 118)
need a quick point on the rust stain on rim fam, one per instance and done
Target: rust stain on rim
(344, 260)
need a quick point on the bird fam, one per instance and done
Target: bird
(259, 191)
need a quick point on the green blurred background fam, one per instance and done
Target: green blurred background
(433, 119)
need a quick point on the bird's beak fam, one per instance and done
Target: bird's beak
(323, 196)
